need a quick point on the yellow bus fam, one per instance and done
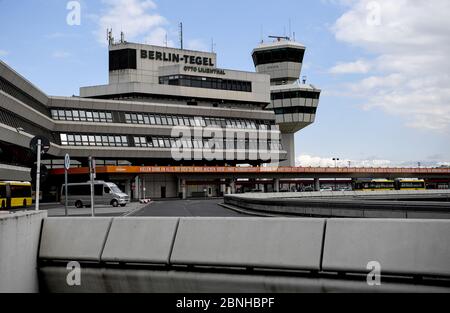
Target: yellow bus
(374, 185)
(410, 184)
(15, 195)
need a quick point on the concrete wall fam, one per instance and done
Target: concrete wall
(311, 246)
(19, 241)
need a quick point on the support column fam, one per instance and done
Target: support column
(137, 188)
(233, 186)
(128, 188)
(316, 184)
(183, 189)
(288, 143)
(276, 185)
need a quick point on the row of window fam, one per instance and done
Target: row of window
(17, 93)
(94, 140)
(295, 95)
(160, 142)
(172, 120)
(168, 143)
(15, 121)
(206, 82)
(295, 110)
(82, 116)
(278, 55)
(156, 119)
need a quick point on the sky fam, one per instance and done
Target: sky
(383, 66)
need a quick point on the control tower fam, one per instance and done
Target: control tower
(293, 101)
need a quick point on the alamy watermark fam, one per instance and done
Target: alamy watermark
(74, 16)
(226, 144)
(73, 278)
(374, 276)
(374, 14)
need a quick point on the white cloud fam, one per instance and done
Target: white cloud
(357, 67)
(315, 161)
(411, 42)
(136, 18)
(196, 44)
(61, 54)
(305, 160)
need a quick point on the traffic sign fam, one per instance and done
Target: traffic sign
(67, 162)
(45, 144)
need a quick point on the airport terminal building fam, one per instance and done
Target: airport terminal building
(163, 107)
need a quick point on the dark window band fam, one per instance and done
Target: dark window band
(20, 95)
(122, 59)
(206, 82)
(278, 55)
(295, 94)
(296, 110)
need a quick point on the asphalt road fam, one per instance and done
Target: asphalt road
(187, 208)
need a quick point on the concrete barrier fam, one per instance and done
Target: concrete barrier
(74, 239)
(140, 240)
(404, 247)
(19, 241)
(249, 242)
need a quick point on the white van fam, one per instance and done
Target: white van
(79, 195)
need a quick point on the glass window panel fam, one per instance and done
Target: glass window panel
(155, 142)
(158, 120)
(167, 142)
(128, 118)
(55, 114)
(146, 120)
(62, 115)
(152, 120)
(164, 120)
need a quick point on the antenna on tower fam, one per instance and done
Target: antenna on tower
(122, 37)
(262, 34)
(181, 36)
(279, 38)
(166, 40)
(213, 45)
(109, 36)
(290, 28)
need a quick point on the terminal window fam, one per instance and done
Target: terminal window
(122, 59)
(82, 116)
(166, 142)
(206, 82)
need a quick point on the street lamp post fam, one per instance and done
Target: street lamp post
(335, 179)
